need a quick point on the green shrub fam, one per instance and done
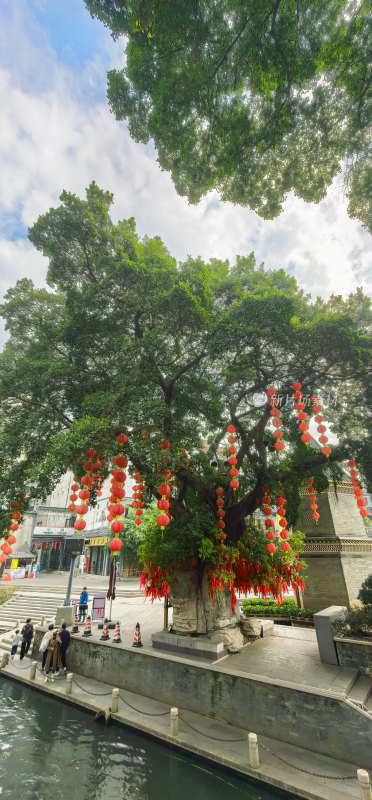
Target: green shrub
(365, 594)
(356, 623)
(257, 607)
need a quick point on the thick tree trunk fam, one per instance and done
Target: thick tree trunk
(193, 610)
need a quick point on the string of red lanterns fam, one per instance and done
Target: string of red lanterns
(15, 517)
(303, 426)
(319, 419)
(163, 505)
(116, 508)
(276, 420)
(312, 498)
(358, 491)
(283, 524)
(233, 471)
(220, 513)
(86, 483)
(137, 495)
(269, 522)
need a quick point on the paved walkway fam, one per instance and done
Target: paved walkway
(291, 655)
(291, 768)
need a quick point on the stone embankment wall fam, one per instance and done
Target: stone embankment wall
(307, 718)
(355, 653)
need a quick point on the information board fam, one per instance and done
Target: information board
(98, 608)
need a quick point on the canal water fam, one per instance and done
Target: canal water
(52, 751)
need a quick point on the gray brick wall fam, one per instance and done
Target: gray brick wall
(325, 583)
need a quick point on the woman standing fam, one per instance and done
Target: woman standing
(53, 654)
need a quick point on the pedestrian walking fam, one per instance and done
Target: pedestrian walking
(65, 637)
(27, 634)
(53, 654)
(83, 604)
(37, 570)
(44, 644)
(15, 641)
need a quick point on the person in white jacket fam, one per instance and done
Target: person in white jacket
(44, 644)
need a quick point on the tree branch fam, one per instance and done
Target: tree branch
(226, 53)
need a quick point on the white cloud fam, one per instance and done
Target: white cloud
(57, 133)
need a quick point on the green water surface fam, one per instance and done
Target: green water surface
(52, 751)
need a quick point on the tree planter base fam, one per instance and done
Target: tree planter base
(193, 610)
(192, 646)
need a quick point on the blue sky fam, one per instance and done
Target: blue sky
(57, 133)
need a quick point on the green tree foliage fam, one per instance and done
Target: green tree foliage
(127, 339)
(254, 99)
(365, 593)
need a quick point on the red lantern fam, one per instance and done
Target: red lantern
(7, 550)
(163, 521)
(2, 558)
(219, 491)
(306, 438)
(118, 492)
(122, 438)
(86, 480)
(271, 548)
(118, 509)
(163, 504)
(16, 515)
(270, 535)
(164, 489)
(364, 512)
(115, 545)
(82, 509)
(279, 446)
(220, 524)
(11, 539)
(231, 428)
(234, 484)
(118, 475)
(326, 451)
(284, 534)
(285, 546)
(137, 521)
(271, 392)
(121, 461)
(80, 524)
(295, 386)
(14, 526)
(84, 494)
(117, 526)
(220, 513)
(316, 516)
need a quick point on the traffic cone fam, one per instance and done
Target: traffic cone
(88, 627)
(75, 627)
(137, 636)
(105, 632)
(116, 638)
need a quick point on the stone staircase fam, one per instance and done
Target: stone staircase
(360, 693)
(22, 605)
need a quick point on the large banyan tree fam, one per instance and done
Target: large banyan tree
(209, 378)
